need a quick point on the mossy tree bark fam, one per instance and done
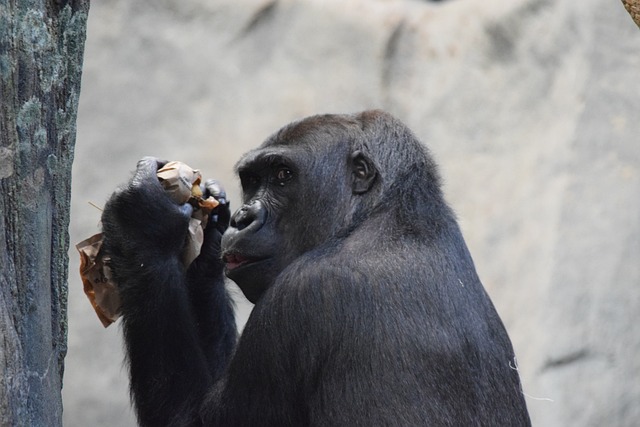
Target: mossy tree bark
(41, 52)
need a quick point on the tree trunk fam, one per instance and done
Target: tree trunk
(41, 48)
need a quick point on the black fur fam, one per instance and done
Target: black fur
(368, 307)
(178, 325)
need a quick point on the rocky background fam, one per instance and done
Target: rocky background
(532, 108)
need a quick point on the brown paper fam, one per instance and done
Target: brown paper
(182, 184)
(97, 282)
(178, 179)
(195, 239)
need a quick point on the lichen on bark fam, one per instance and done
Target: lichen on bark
(41, 51)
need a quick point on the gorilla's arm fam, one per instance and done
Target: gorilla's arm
(178, 326)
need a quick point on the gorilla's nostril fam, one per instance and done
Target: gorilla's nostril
(250, 213)
(238, 217)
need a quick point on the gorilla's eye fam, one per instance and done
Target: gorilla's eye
(361, 172)
(249, 180)
(283, 175)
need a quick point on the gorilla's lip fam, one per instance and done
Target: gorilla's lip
(234, 260)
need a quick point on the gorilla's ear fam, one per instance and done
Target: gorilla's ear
(363, 172)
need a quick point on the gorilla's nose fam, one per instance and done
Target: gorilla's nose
(251, 215)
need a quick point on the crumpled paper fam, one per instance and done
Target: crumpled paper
(96, 280)
(178, 179)
(183, 185)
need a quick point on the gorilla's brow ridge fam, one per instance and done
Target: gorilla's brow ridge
(260, 159)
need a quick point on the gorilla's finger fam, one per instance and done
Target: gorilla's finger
(186, 209)
(222, 216)
(214, 188)
(146, 170)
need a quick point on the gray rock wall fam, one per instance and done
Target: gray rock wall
(532, 108)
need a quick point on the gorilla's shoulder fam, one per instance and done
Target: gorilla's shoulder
(323, 270)
(333, 275)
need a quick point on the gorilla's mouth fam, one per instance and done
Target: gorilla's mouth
(235, 260)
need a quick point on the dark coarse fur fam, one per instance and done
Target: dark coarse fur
(178, 325)
(368, 307)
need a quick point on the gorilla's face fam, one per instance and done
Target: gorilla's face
(261, 241)
(299, 189)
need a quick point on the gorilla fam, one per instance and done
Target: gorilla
(368, 309)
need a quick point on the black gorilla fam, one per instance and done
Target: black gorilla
(368, 307)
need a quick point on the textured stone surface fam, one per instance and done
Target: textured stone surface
(530, 106)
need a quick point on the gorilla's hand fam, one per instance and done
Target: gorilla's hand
(141, 223)
(221, 214)
(178, 324)
(209, 259)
